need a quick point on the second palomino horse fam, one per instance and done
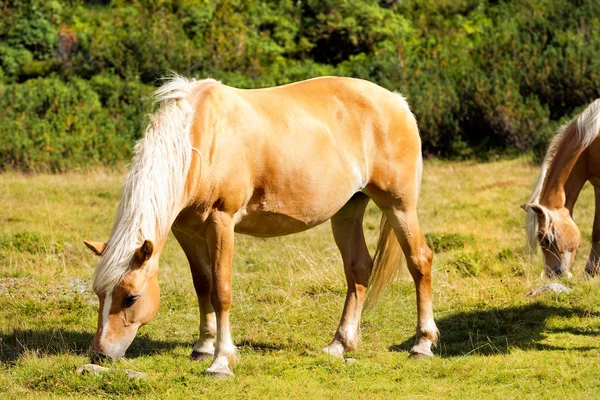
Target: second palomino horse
(573, 158)
(217, 160)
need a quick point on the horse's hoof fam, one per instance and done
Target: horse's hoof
(422, 349)
(336, 351)
(200, 355)
(220, 372)
(420, 356)
(421, 353)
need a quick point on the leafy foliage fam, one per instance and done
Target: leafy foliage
(50, 125)
(481, 76)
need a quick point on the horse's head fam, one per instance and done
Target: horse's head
(558, 236)
(133, 302)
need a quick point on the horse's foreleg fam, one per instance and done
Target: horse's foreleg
(418, 258)
(196, 251)
(220, 248)
(348, 234)
(592, 267)
(205, 346)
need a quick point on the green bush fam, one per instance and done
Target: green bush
(50, 125)
(482, 77)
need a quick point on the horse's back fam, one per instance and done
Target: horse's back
(316, 115)
(327, 99)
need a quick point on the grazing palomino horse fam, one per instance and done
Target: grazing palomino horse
(217, 160)
(573, 158)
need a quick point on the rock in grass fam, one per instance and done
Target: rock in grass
(557, 288)
(97, 370)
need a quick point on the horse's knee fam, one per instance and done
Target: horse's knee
(221, 298)
(421, 260)
(202, 279)
(361, 270)
(202, 286)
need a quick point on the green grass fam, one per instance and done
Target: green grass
(287, 299)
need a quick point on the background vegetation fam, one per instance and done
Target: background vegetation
(482, 76)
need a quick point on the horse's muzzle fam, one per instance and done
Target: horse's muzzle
(98, 358)
(107, 351)
(558, 270)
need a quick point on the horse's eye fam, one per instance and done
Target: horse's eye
(129, 300)
(545, 242)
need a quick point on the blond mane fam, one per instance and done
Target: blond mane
(577, 135)
(153, 190)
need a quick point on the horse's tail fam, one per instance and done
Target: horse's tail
(386, 263)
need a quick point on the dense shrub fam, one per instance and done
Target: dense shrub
(49, 125)
(481, 76)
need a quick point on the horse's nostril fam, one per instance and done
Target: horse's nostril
(557, 271)
(98, 358)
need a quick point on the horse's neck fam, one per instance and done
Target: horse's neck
(565, 178)
(575, 182)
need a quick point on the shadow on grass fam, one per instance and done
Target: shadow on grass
(61, 341)
(497, 330)
(259, 347)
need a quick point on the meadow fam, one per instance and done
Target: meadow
(496, 342)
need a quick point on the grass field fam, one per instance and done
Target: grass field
(287, 297)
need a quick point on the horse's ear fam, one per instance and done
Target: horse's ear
(536, 208)
(144, 253)
(97, 247)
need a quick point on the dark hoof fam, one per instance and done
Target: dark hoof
(420, 356)
(222, 372)
(198, 356)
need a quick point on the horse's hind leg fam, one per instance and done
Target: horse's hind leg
(348, 234)
(196, 251)
(592, 267)
(418, 258)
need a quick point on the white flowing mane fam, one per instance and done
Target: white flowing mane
(580, 132)
(154, 188)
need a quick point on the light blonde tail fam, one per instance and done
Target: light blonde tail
(386, 263)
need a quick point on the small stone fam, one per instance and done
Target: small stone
(135, 374)
(92, 369)
(557, 288)
(97, 370)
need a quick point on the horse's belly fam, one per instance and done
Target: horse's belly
(267, 223)
(297, 198)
